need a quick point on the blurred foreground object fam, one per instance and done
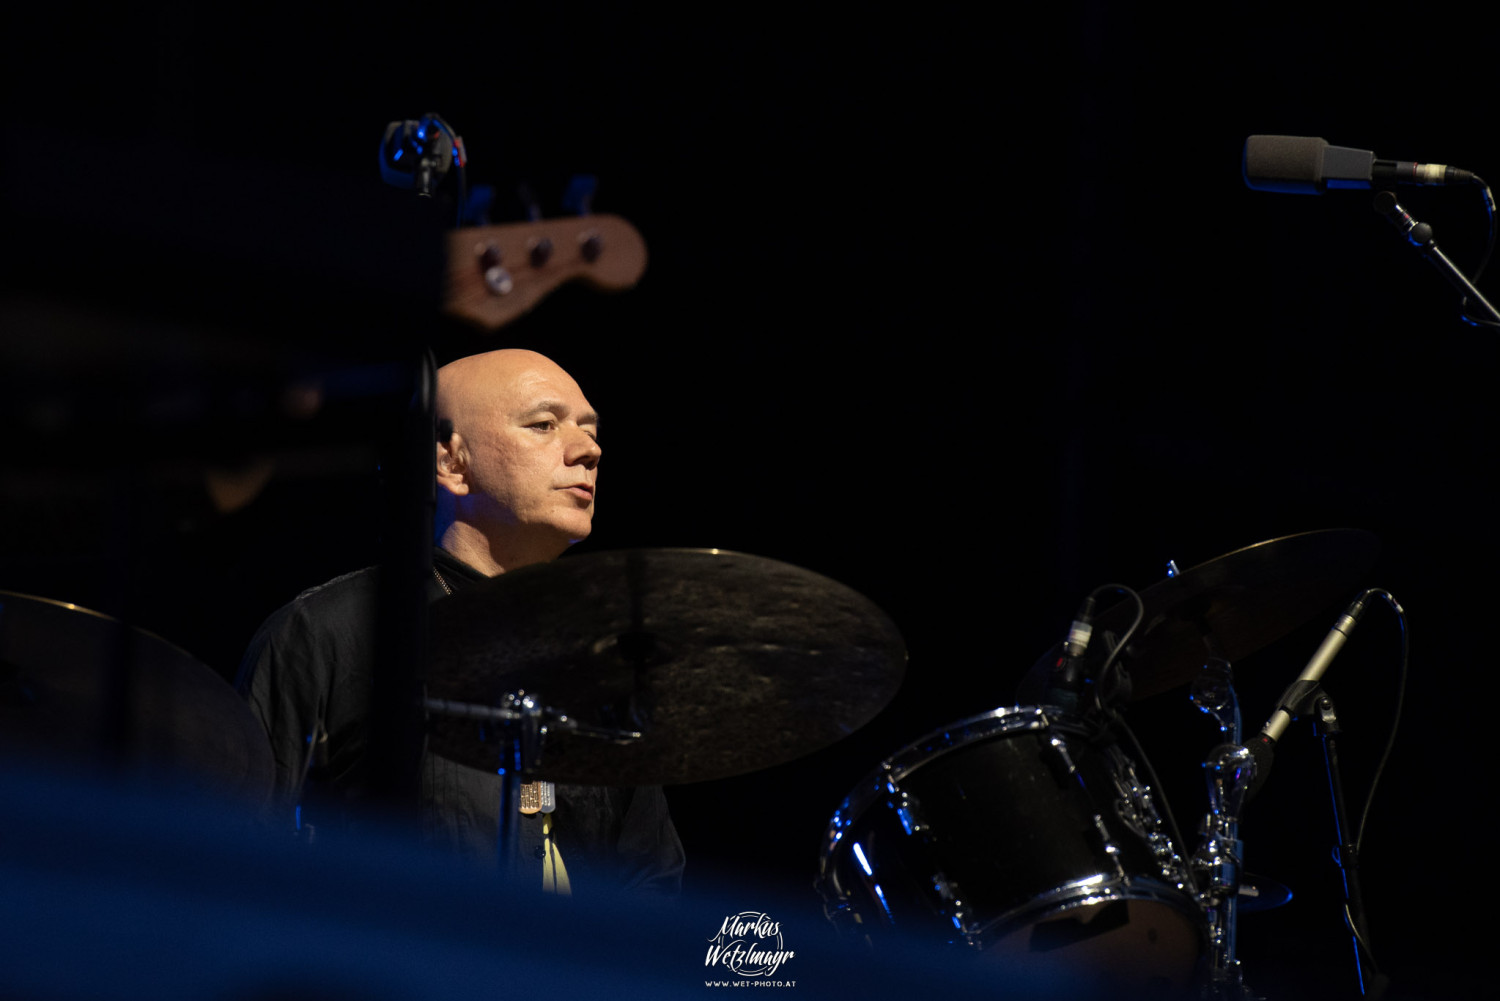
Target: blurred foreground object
(80, 689)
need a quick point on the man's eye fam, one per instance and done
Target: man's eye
(543, 425)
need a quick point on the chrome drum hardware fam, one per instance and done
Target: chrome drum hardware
(1013, 833)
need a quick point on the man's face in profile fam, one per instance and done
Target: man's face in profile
(533, 449)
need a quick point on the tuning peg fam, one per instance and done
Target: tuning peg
(590, 245)
(496, 278)
(538, 248)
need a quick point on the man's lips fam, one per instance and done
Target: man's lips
(580, 489)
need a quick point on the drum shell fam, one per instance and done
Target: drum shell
(999, 823)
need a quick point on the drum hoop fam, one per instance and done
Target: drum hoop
(882, 784)
(881, 781)
(1083, 893)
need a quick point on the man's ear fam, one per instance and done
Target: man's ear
(452, 465)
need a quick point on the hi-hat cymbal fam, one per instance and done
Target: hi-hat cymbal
(79, 687)
(1236, 604)
(726, 662)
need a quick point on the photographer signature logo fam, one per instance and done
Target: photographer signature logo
(748, 944)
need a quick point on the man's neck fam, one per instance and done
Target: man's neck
(491, 557)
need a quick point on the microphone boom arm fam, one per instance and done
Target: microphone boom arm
(1419, 235)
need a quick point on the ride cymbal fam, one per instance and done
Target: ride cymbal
(726, 662)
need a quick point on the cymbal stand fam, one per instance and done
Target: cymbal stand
(1228, 769)
(524, 724)
(523, 731)
(520, 754)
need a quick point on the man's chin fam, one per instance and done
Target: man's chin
(555, 533)
(575, 534)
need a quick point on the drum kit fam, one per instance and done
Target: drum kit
(1028, 835)
(1034, 832)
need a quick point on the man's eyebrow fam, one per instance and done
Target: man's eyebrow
(556, 406)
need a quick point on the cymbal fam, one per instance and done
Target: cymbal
(81, 688)
(1236, 604)
(726, 662)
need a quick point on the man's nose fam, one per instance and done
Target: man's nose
(583, 449)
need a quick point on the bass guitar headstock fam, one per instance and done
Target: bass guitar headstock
(496, 273)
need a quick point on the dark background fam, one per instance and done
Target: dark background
(970, 314)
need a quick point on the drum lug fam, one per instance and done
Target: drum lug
(1108, 846)
(1136, 808)
(908, 808)
(1061, 758)
(909, 812)
(951, 906)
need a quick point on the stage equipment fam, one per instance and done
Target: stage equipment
(1039, 833)
(1236, 604)
(1306, 165)
(81, 689)
(1309, 166)
(496, 273)
(1306, 697)
(417, 155)
(1022, 832)
(722, 662)
(1419, 235)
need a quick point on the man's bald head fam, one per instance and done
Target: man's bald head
(474, 384)
(520, 468)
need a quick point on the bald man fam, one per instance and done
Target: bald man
(517, 467)
(516, 477)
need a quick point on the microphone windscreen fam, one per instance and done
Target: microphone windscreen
(1289, 164)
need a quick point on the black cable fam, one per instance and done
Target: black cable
(1109, 661)
(1395, 722)
(1484, 260)
(1489, 208)
(1117, 719)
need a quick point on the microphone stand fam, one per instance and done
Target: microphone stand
(1372, 983)
(1419, 235)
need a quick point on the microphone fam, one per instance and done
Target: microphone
(1262, 745)
(418, 155)
(1067, 679)
(1302, 165)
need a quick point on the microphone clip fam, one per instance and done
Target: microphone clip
(1300, 698)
